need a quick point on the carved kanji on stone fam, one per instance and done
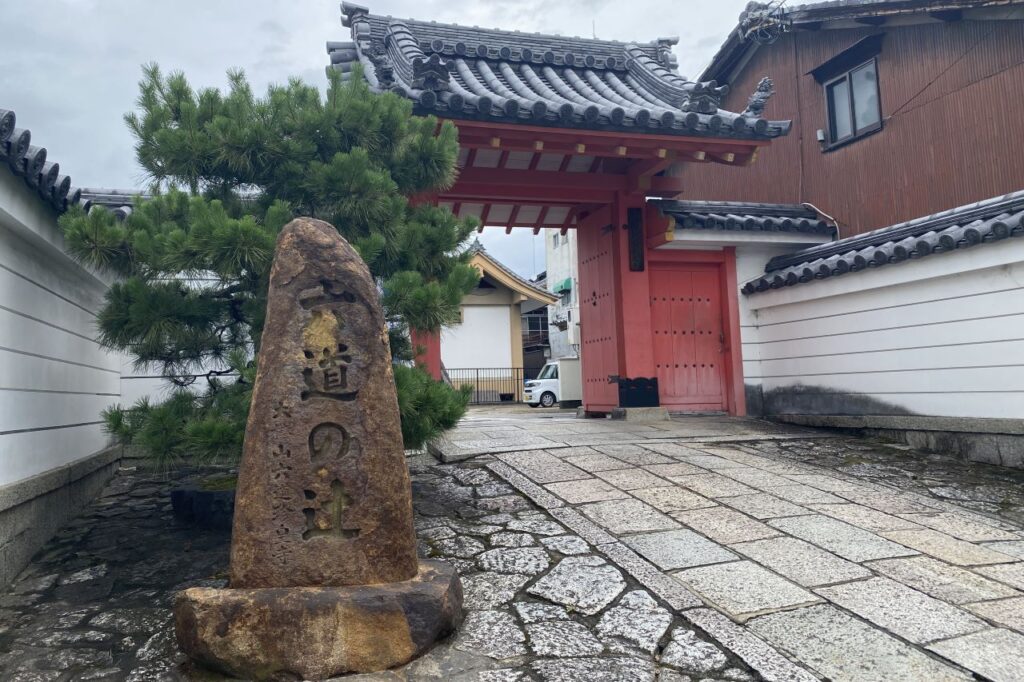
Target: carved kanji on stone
(346, 512)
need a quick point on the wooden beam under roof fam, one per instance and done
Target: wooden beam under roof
(479, 133)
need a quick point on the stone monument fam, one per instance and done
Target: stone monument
(324, 575)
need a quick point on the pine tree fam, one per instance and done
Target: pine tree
(229, 170)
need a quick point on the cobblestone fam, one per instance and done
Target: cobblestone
(947, 537)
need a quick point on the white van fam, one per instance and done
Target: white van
(558, 382)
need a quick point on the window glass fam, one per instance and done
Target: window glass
(839, 110)
(549, 372)
(865, 96)
(554, 240)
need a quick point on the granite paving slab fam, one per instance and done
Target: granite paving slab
(764, 506)
(686, 651)
(492, 633)
(585, 584)
(756, 478)
(961, 526)
(612, 669)
(826, 483)
(631, 479)
(490, 590)
(743, 589)
(865, 517)
(1006, 612)
(759, 655)
(949, 583)
(711, 462)
(1014, 549)
(596, 462)
(627, 516)
(587, 490)
(801, 561)
(667, 588)
(587, 529)
(845, 649)
(890, 503)
(674, 469)
(713, 485)
(672, 498)
(522, 560)
(682, 548)
(947, 548)
(642, 458)
(672, 449)
(902, 610)
(542, 467)
(569, 545)
(724, 525)
(849, 542)
(637, 621)
(562, 639)
(1011, 574)
(798, 493)
(996, 654)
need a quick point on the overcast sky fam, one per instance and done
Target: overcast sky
(70, 68)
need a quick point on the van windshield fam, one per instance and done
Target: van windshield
(548, 372)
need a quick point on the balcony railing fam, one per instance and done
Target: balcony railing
(532, 339)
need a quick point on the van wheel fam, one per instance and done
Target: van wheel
(547, 399)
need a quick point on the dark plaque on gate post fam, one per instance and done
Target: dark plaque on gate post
(324, 577)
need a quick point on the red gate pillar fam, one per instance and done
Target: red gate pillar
(632, 279)
(430, 345)
(615, 309)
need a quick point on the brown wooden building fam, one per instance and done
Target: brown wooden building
(901, 108)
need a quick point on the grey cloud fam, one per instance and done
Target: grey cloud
(70, 68)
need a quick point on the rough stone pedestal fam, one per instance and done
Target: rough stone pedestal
(311, 633)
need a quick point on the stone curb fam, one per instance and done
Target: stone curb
(437, 450)
(768, 661)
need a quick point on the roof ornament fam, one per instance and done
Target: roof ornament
(758, 100)
(666, 57)
(704, 98)
(764, 22)
(356, 17)
(430, 73)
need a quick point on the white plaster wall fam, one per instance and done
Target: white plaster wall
(55, 378)
(482, 340)
(750, 262)
(941, 336)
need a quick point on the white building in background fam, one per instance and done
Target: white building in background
(486, 349)
(562, 281)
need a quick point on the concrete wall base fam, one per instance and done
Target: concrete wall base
(641, 414)
(32, 510)
(988, 441)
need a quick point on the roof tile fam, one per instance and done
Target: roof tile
(462, 72)
(982, 222)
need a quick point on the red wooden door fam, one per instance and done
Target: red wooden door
(689, 339)
(598, 300)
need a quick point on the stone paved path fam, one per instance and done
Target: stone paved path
(594, 551)
(856, 560)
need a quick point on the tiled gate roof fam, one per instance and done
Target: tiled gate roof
(747, 217)
(462, 72)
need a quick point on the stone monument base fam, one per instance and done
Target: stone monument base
(312, 633)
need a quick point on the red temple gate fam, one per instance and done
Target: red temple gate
(578, 134)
